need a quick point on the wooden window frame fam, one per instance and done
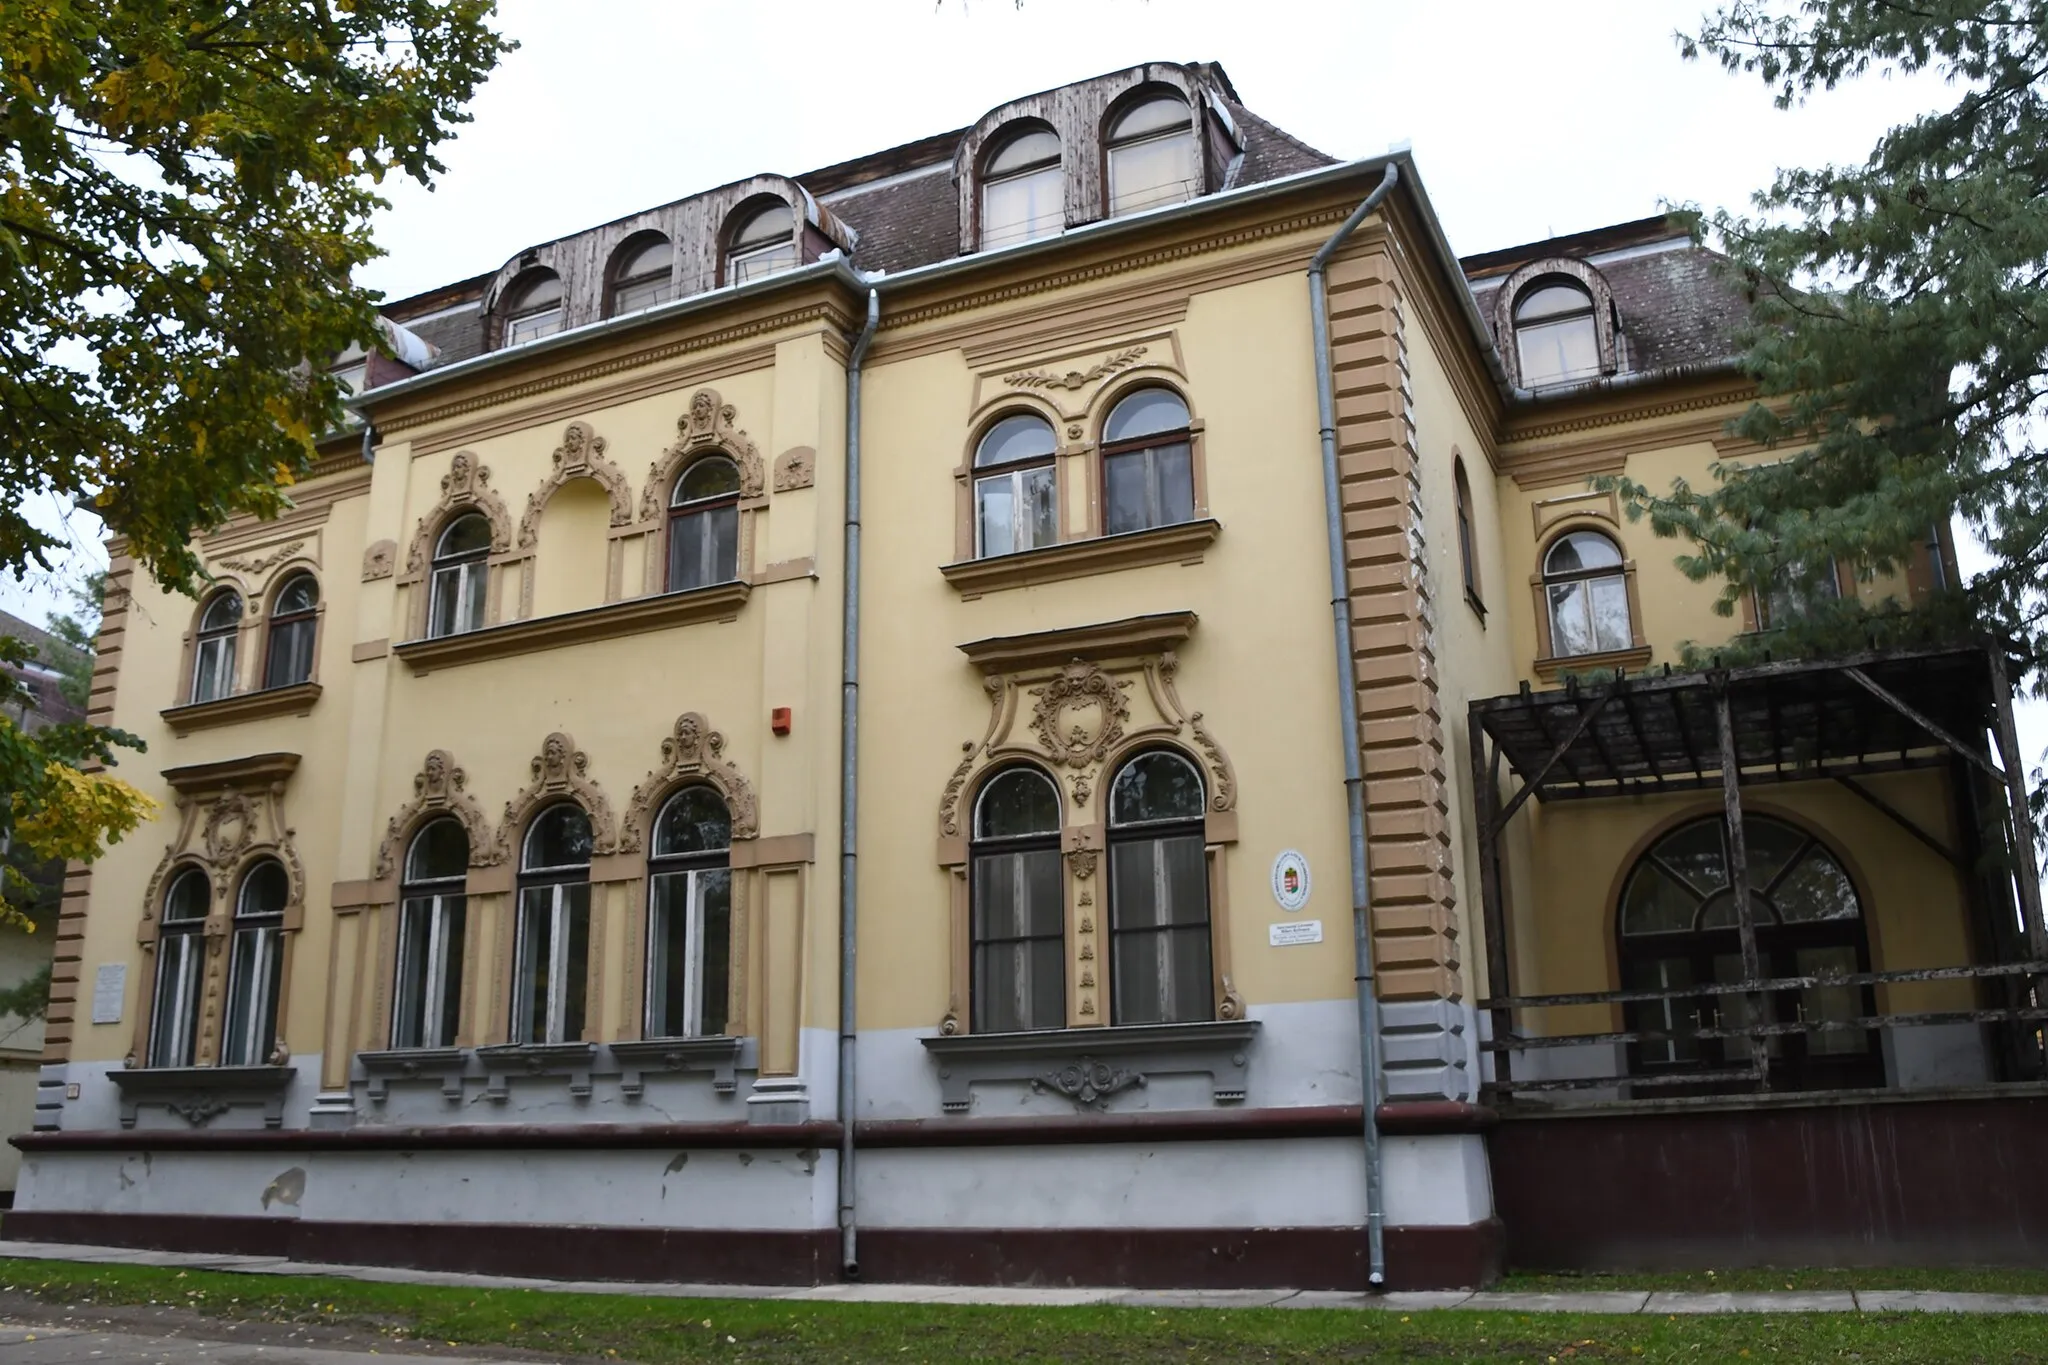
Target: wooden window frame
(312, 618)
(478, 559)
(616, 281)
(555, 878)
(1152, 832)
(232, 635)
(993, 147)
(271, 951)
(1468, 536)
(980, 846)
(1107, 141)
(197, 931)
(436, 890)
(659, 865)
(676, 512)
(1549, 664)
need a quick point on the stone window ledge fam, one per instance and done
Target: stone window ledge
(721, 1056)
(295, 700)
(719, 602)
(200, 1094)
(443, 1064)
(1184, 543)
(1552, 668)
(503, 1061)
(1089, 1065)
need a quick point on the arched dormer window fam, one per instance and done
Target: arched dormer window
(1017, 905)
(1022, 189)
(762, 243)
(294, 625)
(533, 307)
(643, 274)
(455, 596)
(1153, 156)
(213, 657)
(1016, 493)
(1557, 339)
(1585, 591)
(704, 525)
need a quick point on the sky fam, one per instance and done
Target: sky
(1526, 119)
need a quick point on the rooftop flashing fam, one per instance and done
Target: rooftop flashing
(1659, 228)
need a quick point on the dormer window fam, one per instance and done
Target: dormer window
(1555, 336)
(1153, 158)
(534, 307)
(644, 275)
(764, 244)
(1022, 190)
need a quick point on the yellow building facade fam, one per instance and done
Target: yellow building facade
(802, 737)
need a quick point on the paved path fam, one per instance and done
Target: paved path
(82, 1346)
(1611, 1301)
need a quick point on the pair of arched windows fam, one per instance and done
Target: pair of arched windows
(1147, 474)
(689, 926)
(703, 530)
(760, 241)
(1151, 157)
(1158, 891)
(288, 643)
(255, 967)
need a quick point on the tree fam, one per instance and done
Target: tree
(1900, 341)
(185, 189)
(76, 640)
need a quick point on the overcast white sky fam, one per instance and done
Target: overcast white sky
(1526, 119)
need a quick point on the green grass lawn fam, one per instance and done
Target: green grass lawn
(656, 1331)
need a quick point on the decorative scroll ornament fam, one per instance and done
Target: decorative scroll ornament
(1088, 1083)
(201, 1111)
(949, 801)
(379, 560)
(264, 563)
(1080, 714)
(466, 485)
(693, 751)
(1081, 862)
(1075, 379)
(560, 770)
(708, 425)
(580, 456)
(795, 468)
(439, 787)
(229, 827)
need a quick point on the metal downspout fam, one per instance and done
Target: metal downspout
(1347, 707)
(849, 786)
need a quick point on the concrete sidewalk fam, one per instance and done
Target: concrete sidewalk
(1612, 1301)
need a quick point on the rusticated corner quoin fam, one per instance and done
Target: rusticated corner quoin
(1400, 722)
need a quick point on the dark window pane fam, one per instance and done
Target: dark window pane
(1656, 903)
(1155, 786)
(1159, 917)
(187, 897)
(1663, 1016)
(265, 890)
(1124, 493)
(1020, 801)
(1174, 468)
(1697, 853)
(291, 653)
(252, 997)
(559, 838)
(708, 479)
(439, 850)
(693, 821)
(1581, 550)
(575, 963)
(703, 548)
(715, 954)
(1839, 1004)
(465, 535)
(1817, 889)
(301, 594)
(223, 612)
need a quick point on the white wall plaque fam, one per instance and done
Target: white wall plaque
(1294, 931)
(1290, 881)
(109, 988)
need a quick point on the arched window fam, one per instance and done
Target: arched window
(1148, 474)
(1016, 497)
(1555, 340)
(1468, 541)
(461, 569)
(1158, 893)
(533, 307)
(643, 275)
(763, 244)
(213, 660)
(1585, 590)
(294, 620)
(432, 918)
(180, 970)
(552, 945)
(1153, 156)
(1677, 924)
(689, 916)
(1018, 909)
(1022, 190)
(255, 966)
(704, 525)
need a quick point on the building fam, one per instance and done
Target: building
(25, 956)
(807, 732)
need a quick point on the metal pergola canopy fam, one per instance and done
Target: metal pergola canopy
(1792, 722)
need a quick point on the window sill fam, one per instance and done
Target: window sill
(503, 1061)
(1550, 670)
(199, 1094)
(722, 1056)
(720, 602)
(443, 1064)
(1184, 543)
(1089, 1065)
(295, 700)
(1478, 607)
